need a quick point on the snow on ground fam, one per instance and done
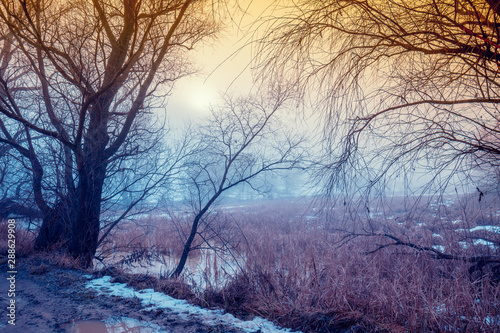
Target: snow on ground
(491, 228)
(156, 300)
(485, 243)
(438, 247)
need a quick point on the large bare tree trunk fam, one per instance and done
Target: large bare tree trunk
(91, 101)
(85, 229)
(55, 226)
(92, 173)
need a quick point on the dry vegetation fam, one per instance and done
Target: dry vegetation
(298, 269)
(24, 241)
(304, 273)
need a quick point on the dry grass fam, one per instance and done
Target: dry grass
(141, 240)
(300, 273)
(24, 241)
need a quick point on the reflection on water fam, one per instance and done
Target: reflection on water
(114, 325)
(203, 269)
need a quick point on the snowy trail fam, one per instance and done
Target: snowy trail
(156, 300)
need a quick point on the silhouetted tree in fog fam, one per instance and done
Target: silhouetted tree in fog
(242, 140)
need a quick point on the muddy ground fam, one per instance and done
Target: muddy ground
(51, 299)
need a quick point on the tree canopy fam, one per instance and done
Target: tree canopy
(78, 81)
(403, 84)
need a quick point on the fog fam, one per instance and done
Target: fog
(316, 165)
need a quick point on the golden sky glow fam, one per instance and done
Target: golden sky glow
(223, 64)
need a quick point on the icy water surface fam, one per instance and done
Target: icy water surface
(207, 269)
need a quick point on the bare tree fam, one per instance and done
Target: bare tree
(78, 79)
(403, 84)
(240, 142)
(406, 87)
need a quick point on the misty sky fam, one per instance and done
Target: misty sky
(223, 64)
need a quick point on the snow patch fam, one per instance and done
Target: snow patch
(438, 247)
(490, 228)
(156, 300)
(485, 243)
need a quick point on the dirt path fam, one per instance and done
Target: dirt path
(50, 299)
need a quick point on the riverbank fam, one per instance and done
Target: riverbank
(54, 299)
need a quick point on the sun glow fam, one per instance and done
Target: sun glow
(201, 96)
